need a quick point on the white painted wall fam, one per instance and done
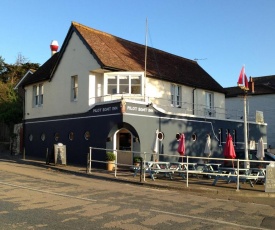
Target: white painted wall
(76, 60)
(161, 91)
(264, 103)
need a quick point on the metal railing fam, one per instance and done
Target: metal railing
(183, 107)
(146, 156)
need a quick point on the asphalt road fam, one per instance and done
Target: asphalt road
(39, 198)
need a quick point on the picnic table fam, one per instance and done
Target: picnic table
(180, 168)
(245, 175)
(210, 168)
(155, 167)
(158, 167)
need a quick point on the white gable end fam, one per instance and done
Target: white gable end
(76, 61)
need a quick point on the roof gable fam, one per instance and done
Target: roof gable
(120, 54)
(23, 79)
(117, 54)
(43, 73)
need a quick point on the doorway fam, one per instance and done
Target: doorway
(124, 140)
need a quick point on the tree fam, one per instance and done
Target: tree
(11, 104)
(11, 111)
(12, 73)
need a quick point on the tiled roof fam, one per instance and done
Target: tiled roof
(43, 73)
(262, 85)
(266, 80)
(120, 54)
(117, 54)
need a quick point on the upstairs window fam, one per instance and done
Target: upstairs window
(74, 88)
(123, 83)
(38, 91)
(175, 95)
(209, 110)
(209, 97)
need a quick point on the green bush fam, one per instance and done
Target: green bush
(137, 159)
(110, 156)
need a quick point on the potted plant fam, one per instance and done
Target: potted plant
(110, 157)
(137, 161)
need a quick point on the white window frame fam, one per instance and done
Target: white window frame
(176, 98)
(38, 94)
(41, 94)
(123, 83)
(74, 88)
(209, 100)
(209, 110)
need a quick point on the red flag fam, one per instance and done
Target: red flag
(242, 81)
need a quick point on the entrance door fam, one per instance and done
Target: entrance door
(124, 143)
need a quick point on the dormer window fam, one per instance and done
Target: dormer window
(38, 91)
(123, 83)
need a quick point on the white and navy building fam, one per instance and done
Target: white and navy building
(94, 92)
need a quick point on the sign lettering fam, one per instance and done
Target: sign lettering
(270, 179)
(106, 109)
(139, 109)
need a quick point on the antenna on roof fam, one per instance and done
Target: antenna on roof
(145, 62)
(199, 59)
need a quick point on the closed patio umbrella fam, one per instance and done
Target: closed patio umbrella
(155, 145)
(229, 150)
(260, 149)
(207, 150)
(181, 147)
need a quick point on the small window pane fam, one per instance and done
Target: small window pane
(112, 81)
(71, 136)
(43, 136)
(87, 135)
(56, 136)
(31, 137)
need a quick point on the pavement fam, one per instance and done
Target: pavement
(201, 186)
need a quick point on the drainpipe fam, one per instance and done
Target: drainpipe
(193, 93)
(24, 123)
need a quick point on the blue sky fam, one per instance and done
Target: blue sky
(223, 35)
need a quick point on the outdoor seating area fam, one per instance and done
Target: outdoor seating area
(250, 175)
(173, 169)
(211, 171)
(184, 169)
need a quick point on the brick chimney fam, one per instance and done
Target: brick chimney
(251, 85)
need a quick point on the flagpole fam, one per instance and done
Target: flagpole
(243, 84)
(145, 62)
(246, 163)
